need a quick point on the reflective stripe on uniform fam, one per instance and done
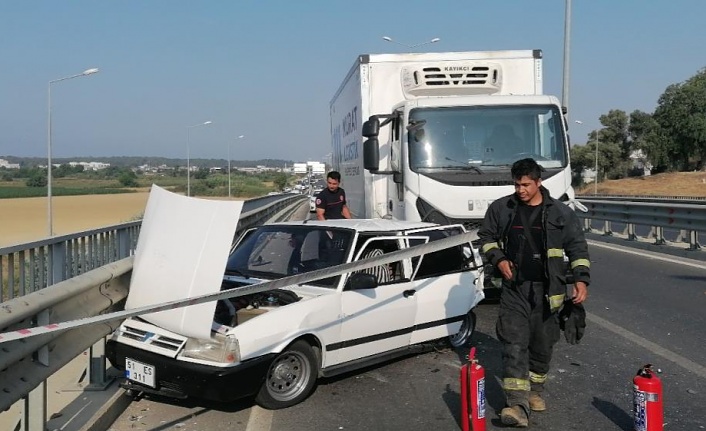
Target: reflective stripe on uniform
(537, 378)
(580, 262)
(555, 301)
(491, 245)
(512, 384)
(555, 252)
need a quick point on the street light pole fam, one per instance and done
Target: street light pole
(50, 214)
(567, 53)
(239, 137)
(188, 156)
(595, 182)
(389, 39)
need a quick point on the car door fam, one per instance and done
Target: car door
(445, 287)
(376, 320)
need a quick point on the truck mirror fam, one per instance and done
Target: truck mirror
(397, 177)
(371, 128)
(371, 154)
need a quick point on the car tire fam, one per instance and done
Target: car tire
(463, 337)
(290, 378)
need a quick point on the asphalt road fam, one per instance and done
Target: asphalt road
(641, 310)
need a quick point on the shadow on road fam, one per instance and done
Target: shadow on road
(614, 413)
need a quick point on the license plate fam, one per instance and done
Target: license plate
(139, 372)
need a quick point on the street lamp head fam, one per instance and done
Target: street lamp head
(387, 38)
(578, 121)
(241, 136)
(436, 39)
(90, 71)
(205, 123)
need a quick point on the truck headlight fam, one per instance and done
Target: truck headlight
(221, 348)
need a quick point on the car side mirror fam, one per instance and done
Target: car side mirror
(361, 280)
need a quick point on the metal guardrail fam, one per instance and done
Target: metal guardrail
(69, 277)
(689, 219)
(699, 200)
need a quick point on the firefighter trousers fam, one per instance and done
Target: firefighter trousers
(528, 331)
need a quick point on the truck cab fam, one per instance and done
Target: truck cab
(449, 158)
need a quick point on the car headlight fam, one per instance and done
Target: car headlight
(221, 348)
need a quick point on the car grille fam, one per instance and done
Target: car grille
(157, 340)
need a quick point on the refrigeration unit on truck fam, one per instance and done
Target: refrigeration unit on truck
(443, 130)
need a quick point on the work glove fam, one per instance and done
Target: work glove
(572, 320)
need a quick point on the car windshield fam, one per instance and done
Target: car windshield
(480, 138)
(272, 252)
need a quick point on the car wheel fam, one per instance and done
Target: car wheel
(463, 337)
(290, 378)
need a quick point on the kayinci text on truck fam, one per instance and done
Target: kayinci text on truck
(432, 136)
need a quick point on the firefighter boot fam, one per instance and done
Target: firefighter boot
(536, 402)
(514, 416)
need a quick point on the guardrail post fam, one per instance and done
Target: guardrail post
(35, 409)
(683, 236)
(694, 240)
(607, 231)
(659, 235)
(631, 235)
(587, 225)
(97, 377)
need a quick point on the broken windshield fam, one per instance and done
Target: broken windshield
(278, 251)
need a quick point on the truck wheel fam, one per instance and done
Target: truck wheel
(290, 378)
(463, 337)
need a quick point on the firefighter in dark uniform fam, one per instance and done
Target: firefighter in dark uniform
(525, 236)
(331, 202)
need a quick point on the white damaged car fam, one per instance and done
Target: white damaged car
(274, 345)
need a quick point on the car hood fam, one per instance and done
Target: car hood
(181, 253)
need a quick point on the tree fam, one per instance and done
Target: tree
(281, 181)
(128, 179)
(647, 136)
(37, 179)
(681, 113)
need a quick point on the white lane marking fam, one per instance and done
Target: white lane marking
(650, 254)
(667, 354)
(260, 419)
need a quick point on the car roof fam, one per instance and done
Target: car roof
(363, 225)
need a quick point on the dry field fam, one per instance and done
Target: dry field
(668, 184)
(24, 220)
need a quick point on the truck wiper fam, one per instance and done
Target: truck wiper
(461, 166)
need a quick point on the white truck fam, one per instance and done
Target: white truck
(456, 122)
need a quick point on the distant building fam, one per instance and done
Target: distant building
(7, 165)
(90, 166)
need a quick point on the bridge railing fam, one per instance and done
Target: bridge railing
(69, 277)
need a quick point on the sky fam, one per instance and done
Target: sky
(268, 69)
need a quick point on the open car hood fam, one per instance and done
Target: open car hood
(181, 253)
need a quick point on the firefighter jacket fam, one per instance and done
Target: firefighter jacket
(561, 235)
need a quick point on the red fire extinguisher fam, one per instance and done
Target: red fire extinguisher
(647, 400)
(472, 394)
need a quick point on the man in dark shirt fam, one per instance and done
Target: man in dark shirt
(331, 201)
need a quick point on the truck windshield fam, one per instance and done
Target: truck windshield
(473, 138)
(277, 251)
